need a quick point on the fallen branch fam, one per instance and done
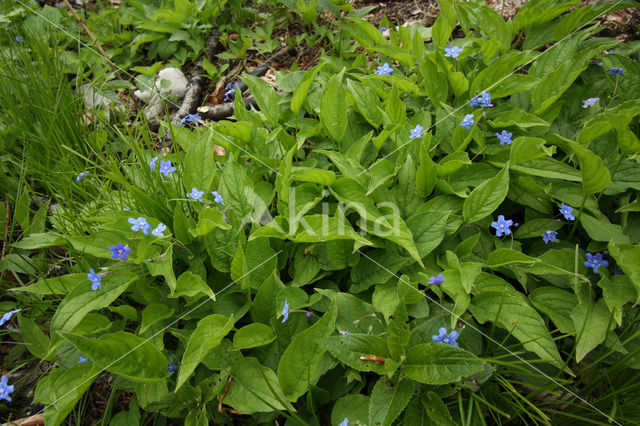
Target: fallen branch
(222, 111)
(35, 420)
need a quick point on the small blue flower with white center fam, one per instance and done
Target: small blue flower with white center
(120, 251)
(589, 102)
(82, 359)
(81, 175)
(5, 389)
(195, 194)
(152, 164)
(19, 39)
(436, 280)
(447, 339)
(166, 168)
(566, 211)
(217, 198)
(345, 422)
(504, 137)
(190, 118)
(172, 367)
(383, 29)
(483, 100)
(158, 231)
(616, 71)
(384, 69)
(452, 51)
(140, 223)
(7, 316)
(467, 121)
(595, 261)
(285, 310)
(502, 226)
(549, 236)
(95, 279)
(416, 132)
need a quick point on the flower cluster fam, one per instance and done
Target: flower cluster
(483, 100)
(190, 118)
(230, 91)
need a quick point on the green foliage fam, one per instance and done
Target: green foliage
(350, 226)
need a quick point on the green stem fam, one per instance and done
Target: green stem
(575, 223)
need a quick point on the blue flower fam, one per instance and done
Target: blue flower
(190, 118)
(158, 232)
(504, 137)
(217, 198)
(467, 121)
(7, 316)
(195, 194)
(475, 58)
(549, 236)
(383, 29)
(140, 223)
(81, 175)
(166, 168)
(502, 226)
(452, 51)
(172, 367)
(436, 280)
(95, 279)
(285, 311)
(19, 39)
(5, 389)
(483, 100)
(120, 251)
(230, 91)
(345, 422)
(152, 164)
(566, 211)
(595, 261)
(590, 102)
(416, 132)
(126, 208)
(82, 359)
(384, 70)
(443, 337)
(616, 70)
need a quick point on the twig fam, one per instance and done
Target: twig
(222, 111)
(226, 389)
(91, 36)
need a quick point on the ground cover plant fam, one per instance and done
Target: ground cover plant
(413, 225)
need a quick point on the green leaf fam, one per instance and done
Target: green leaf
(300, 94)
(298, 367)
(190, 284)
(505, 256)
(548, 168)
(439, 364)
(65, 391)
(617, 291)
(395, 108)
(54, 285)
(163, 266)
(628, 258)
(557, 304)
(199, 164)
(82, 300)
(592, 322)
(436, 409)
(599, 230)
(444, 25)
(153, 313)
(517, 117)
(349, 348)
(255, 388)
(208, 334)
(238, 189)
(333, 113)
(266, 97)
(307, 174)
(124, 354)
(354, 407)
(388, 400)
(253, 336)
(435, 81)
(595, 176)
(36, 341)
(428, 230)
(526, 148)
(208, 220)
(39, 240)
(486, 198)
(367, 102)
(497, 301)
